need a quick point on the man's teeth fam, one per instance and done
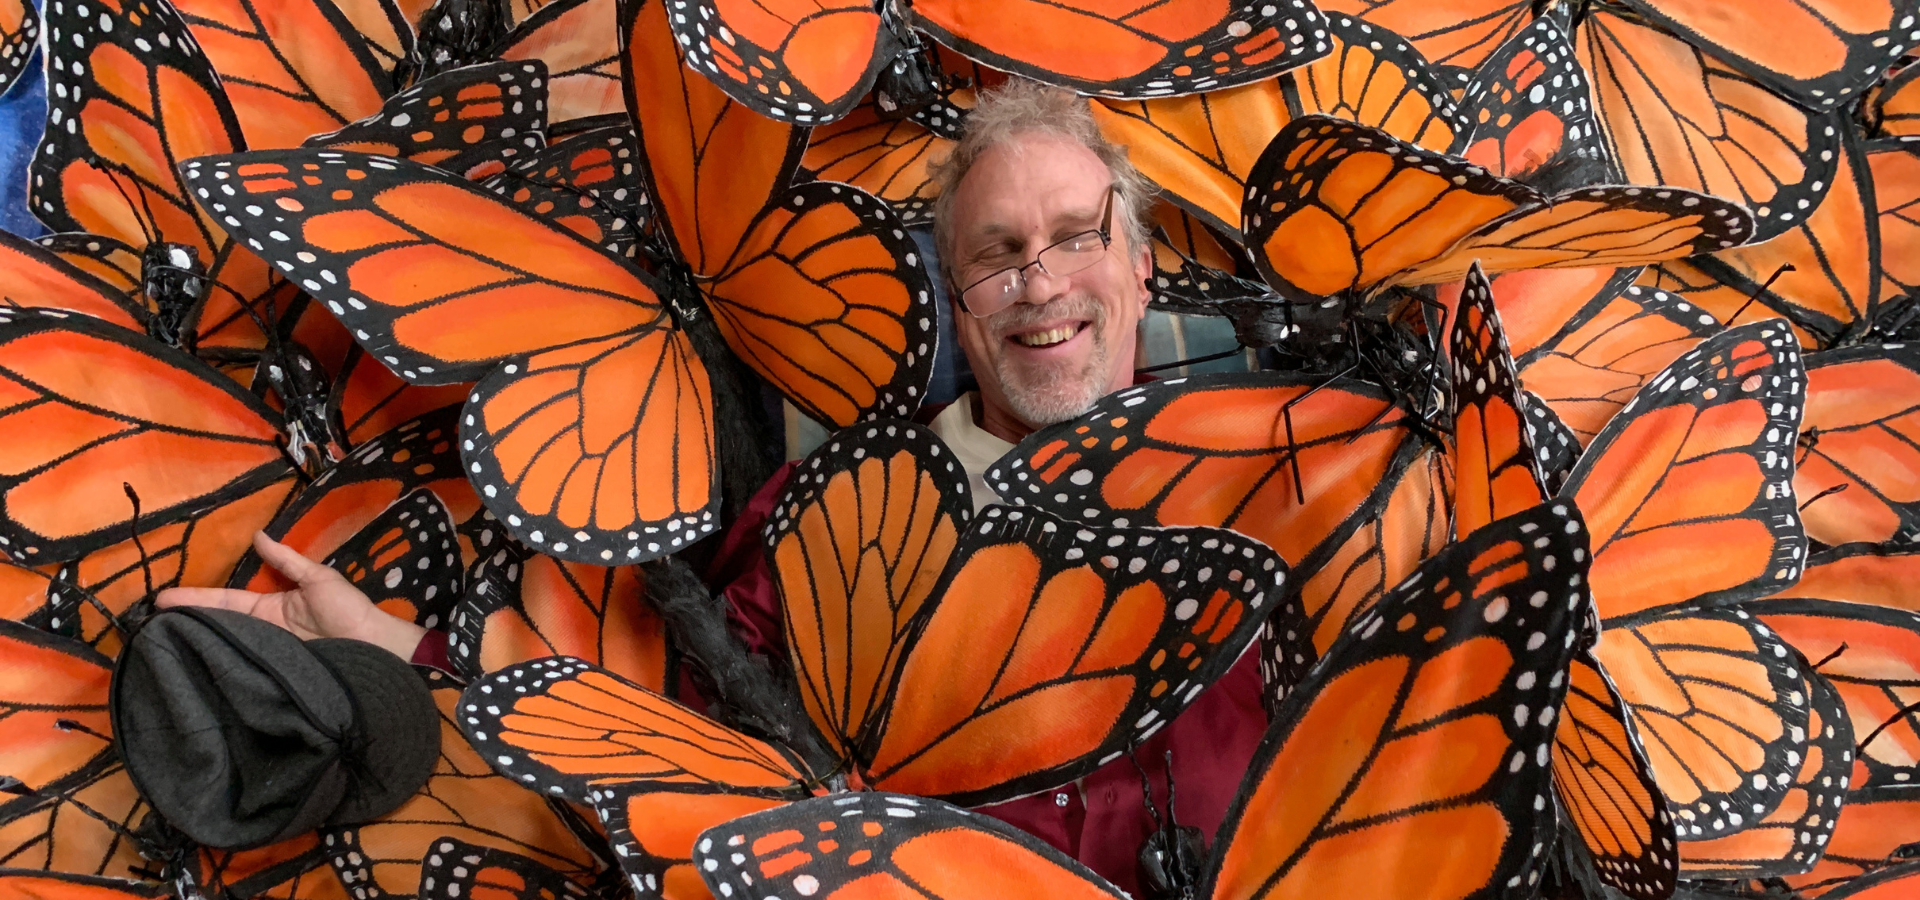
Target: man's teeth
(1051, 336)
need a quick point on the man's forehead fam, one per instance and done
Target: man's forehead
(1028, 180)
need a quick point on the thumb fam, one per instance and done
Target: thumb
(288, 561)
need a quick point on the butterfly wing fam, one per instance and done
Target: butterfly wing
(574, 411)
(1687, 490)
(814, 286)
(809, 66)
(463, 800)
(1608, 351)
(1348, 785)
(33, 275)
(290, 70)
(656, 772)
(1677, 116)
(19, 37)
(1283, 459)
(68, 789)
(1199, 148)
(110, 407)
(857, 544)
(407, 560)
(1455, 37)
(1532, 117)
(1894, 167)
(579, 43)
(1858, 445)
(1495, 474)
(588, 183)
(521, 606)
(1130, 51)
(1820, 53)
(455, 868)
(456, 120)
(1601, 778)
(1065, 645)
(111, 261)
(886, 157)
(1374, 77)
(859, 845)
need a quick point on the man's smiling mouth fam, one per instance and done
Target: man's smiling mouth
(1048, 337)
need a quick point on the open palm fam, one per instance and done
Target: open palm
(322, 603)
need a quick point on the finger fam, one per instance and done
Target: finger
(288, 561)
(213, 598)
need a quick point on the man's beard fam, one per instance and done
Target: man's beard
(1041, 395)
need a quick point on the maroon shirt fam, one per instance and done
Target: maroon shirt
(1102, 819)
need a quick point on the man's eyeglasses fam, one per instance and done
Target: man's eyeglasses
(1074, 253)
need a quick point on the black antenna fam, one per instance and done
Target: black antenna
(1190, 361)
(1764, 288)
(1831, 656)
(1826, 493)
(133, 525)
(1904, 712)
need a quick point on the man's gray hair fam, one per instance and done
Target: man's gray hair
(1022, 107)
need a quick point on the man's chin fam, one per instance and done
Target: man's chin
(1046, 402)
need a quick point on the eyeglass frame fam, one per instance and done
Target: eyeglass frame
(1104, 232)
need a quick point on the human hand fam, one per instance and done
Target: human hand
(322, 604)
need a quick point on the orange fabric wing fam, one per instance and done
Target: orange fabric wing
(1199, 148)
(1118, 48)
(1896, 108)
(1789, 839)
(1677, 116)
(1822, 53)
(1531, 115)
(472, 116)
(290, 69)
(522, 606)
(1375, 78)
(1197, 272)
(1608, 351)
(1279, 458)
(816, 287)
(1414, 759)
(578, 42)
(656, 772)
(809, 64)
(69, 791)
(1606, 792)
(1456, 37)
(1495, 473)
(886, 157)
(108, 407)
(455, 868)
(866, 845)
(1688, 488)
(33, 275)
(406, 560)
(1719, 703)
(588, 183)
(857, 544)
(1894, 164)
(1054, 647)
(1859, 448)
(463, 800)
(19, 37)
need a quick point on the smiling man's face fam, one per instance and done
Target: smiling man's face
(1068, 340)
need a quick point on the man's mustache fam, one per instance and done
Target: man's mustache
(1022, 316)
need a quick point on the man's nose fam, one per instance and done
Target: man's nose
(1043, 287)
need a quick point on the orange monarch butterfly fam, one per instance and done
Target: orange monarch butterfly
(1857, 451)
(521, 606)
(1894, 170)
(1199, 148)
(1491, 461)
(924, 665)
(1334, 208)
(463, 801)
(19, 38)
(1677, 116)
(1822, 53)
(1688, 494)
(813, 66)
(1730, 304)
(1469, 652)
(849, 336)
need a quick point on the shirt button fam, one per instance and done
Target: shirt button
(1060, 799)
